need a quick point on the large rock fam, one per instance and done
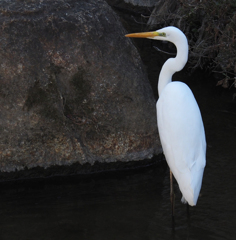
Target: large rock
(72, 87)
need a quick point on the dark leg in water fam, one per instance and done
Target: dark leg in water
(188, 213)
(172, 195)
(188, 220)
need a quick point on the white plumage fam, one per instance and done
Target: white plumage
(179, 119)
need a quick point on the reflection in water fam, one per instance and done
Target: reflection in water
(112, 207)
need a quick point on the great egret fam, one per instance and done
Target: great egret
(179, 120)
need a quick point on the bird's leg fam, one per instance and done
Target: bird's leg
(172, 195)
(188, 213)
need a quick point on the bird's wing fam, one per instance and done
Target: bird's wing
(181, 129)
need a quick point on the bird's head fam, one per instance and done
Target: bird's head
(171, 34)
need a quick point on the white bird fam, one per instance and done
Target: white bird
(179, 120)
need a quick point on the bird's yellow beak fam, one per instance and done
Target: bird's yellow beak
(146, 34)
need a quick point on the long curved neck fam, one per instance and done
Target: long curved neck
(173, 65)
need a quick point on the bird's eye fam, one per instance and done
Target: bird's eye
(162, 34)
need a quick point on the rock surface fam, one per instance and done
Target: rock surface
(72, 87)
(143, 3)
